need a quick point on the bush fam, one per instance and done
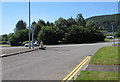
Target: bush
(17, 38)
(117, 34)
(3, 42)
(80, 34)
(50, 35)
(13, 39)
(74, 34)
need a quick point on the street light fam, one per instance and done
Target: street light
(29, 26)
(32, 30)
(113, 34)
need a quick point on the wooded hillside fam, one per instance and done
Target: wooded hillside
(105, 21)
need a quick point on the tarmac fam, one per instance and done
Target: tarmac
(52, 58)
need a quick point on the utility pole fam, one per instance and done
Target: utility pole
(29, 26)
(113, 35)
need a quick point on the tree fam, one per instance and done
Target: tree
(117, 34)
(52, 24)
(33, 23)
(74, 34)
(81, 34)
(4, 37)
(41, 22)
(62, 24)
(23, 35)
(0, 37)
(71, 22)
(80, 20)
(48, 23)
(37, 28)
(13, 39)
(17, 38)
(90, 24)
(20, 25)
(50, 35)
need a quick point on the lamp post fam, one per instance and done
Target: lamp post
(113, 35)
(29, 26)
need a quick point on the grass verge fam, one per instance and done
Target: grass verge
(106, 55)
(93, 75)
(7, 46)
(118, 44)
(107, 40)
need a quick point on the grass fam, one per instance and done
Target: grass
(106, 55)
(92, 75)
(7, 46)
(107, 40)
(118, 44)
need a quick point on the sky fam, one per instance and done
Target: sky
(12, 12)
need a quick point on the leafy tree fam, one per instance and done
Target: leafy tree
(0, 37)
(80, 20)
(95, 35)
(37, 28)
(48, 23)
(69, 31)
(23, 35)
(52, 24)
(80, 34)
(71, 22)
(20, 25)
(50, 34)
(90, 24)
(17, 38)
(117, 34)
(13, 39)
(41, 22)
(4, 37)
(33, 23)
(62, 24)
(74, 34)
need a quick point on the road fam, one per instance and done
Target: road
(54, 63)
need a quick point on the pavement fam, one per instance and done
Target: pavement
(10, 51)
(54, 63)
(103, 68)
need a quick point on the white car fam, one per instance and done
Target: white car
(27, 44)
(110, 37)
(36, 44)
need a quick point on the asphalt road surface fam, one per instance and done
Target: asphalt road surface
(54, 63)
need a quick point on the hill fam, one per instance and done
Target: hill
(105, 21)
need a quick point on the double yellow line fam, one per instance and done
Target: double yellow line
(76, 70)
